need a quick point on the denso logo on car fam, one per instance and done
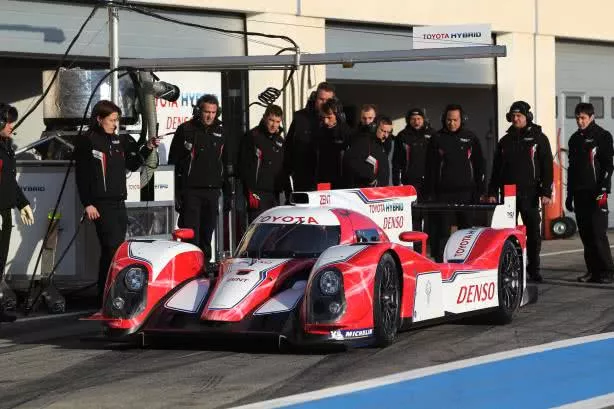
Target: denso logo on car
(476, 293)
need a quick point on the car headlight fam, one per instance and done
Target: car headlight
(135, 278)
(330, 282)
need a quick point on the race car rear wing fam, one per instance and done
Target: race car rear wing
(391, 207)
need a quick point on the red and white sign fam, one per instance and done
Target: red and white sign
(473, 293)
(389, 207)
(470, 290)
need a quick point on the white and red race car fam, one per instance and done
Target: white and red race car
(335, 267)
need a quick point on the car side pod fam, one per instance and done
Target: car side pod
(413, 237)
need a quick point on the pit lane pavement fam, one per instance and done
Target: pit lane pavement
(49, 362)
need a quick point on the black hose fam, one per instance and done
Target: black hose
(271, 94)
(149, 13)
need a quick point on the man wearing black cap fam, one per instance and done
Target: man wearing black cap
(589, 178)
(409, 160)
(524, 158)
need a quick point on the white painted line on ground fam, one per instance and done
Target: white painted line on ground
(556, 253)
(6, 343)
(55, 316)
(598, 402)
(421, 372)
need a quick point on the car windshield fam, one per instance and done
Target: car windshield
(268, 240)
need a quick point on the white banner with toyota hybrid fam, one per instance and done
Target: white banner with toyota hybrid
(466, 35)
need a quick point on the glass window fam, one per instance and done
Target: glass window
(268, 240)
(570, 106)
(598, 104)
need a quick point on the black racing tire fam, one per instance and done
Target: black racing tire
(386, 302)
(573, 227)
(563, 227)
(509, 282)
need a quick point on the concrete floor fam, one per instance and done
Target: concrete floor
(56, 363)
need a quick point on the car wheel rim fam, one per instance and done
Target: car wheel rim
(559, 228)
(511, 273)
(389, 300)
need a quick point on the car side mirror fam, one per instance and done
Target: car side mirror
(415, 236)
(183, 234)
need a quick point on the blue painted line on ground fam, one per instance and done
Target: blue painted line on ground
(541, 380)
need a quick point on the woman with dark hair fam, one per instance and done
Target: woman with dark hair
(102, 158)
(11, 196)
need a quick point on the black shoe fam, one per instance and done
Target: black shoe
(601, 280)
(536, 277)
(585, 278)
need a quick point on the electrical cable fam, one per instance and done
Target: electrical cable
(28, 308)
(269, 95)
(383, 33)
(57, 70)
(149, 13)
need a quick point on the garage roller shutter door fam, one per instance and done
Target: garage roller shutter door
(585, 69)
(345, 37)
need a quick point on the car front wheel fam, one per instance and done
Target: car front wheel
(386, 302)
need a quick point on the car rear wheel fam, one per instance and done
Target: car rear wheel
(509, 282)
(386, 302)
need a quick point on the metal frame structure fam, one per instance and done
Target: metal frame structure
(289, 61)
(281, 62)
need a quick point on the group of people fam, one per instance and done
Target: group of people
(445, 166)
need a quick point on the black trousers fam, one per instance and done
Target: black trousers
(527, 206)
(111, 231)
(267, 201)
(199, 213)
(442, 223)
(592, 225)
(5, 237)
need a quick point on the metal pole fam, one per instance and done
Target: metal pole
(114, 52)
(284, 61)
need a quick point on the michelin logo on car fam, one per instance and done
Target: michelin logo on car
(340, 335)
